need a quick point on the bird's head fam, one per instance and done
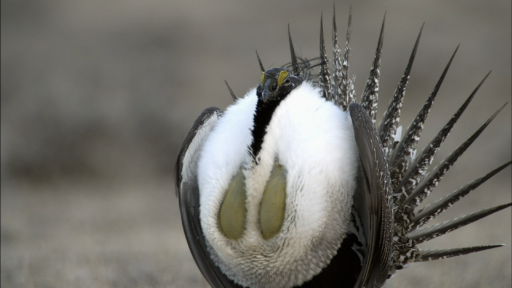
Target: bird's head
(276, 84)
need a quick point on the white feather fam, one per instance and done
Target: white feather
(314, 141)
(398, 134)
(190, 161)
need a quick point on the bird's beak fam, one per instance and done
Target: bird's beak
(269, 90)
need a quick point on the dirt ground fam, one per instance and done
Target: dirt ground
(79, 234)
(97, 96)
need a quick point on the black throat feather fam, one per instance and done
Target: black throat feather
(262, 117)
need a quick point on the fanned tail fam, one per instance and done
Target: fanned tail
(409, 174)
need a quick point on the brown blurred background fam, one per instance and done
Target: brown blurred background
(97, 96)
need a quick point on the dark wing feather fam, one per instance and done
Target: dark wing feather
(376, 174)
(188, 192)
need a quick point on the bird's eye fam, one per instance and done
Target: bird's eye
(287, 82)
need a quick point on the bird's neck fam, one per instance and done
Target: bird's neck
(262, 117)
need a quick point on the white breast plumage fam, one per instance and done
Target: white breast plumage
(313, 140)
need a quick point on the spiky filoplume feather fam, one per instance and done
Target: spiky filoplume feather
(231, 91)
(259, 61)
(295, 63)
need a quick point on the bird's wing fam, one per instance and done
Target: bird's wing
(187, 190)
(374, 194)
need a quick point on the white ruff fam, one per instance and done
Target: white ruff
(314, 141)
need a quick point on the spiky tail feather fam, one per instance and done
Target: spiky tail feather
(324, 78)
(425, 234)
(431, 211)
(401, 156)
(389, 123)
(435, 254)
(421, 192)
(370, 97)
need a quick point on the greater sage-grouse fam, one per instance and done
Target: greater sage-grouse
(295, 184)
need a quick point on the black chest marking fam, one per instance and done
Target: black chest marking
(345, 266)
(262, 117)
